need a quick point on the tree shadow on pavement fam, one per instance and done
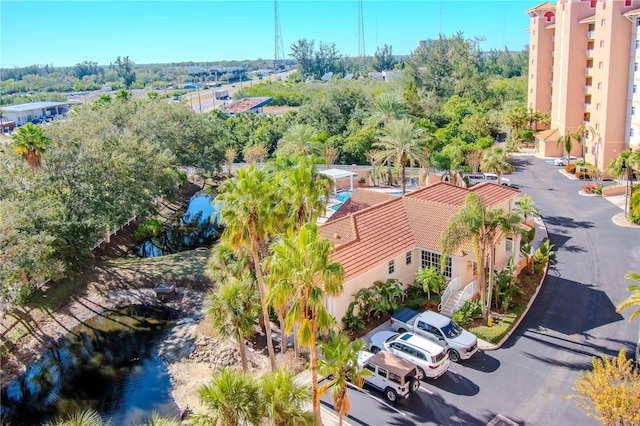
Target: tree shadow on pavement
(560, 241)
(566, 222)
(481, 361)
(455, 383)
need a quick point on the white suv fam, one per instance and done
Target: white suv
(396, 377)
(488, 177)
(430, 358)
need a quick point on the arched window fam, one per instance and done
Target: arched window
(549, 16)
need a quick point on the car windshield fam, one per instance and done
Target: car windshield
(451, 330)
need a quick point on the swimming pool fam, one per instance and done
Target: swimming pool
(343, 196)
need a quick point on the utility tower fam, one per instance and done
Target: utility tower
(362, 57)
(278, 54)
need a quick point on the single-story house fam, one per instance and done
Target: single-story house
(379, 236)
(546, 142)
(25, 113)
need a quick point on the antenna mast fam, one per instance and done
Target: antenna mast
(361, 53)
(278, 54)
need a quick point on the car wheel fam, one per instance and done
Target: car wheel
(391, 395)
(421, 374)
(415, 385)
(402, 330)
(375, 349)
(454, 355)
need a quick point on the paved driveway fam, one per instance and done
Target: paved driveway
(572, 320)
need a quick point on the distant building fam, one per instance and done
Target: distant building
(240, 106)
(327, 76)
(425, 43)
(583, 66)
(35, 111)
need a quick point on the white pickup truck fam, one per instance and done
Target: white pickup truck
(459, 343)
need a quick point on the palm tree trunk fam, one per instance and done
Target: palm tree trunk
(313, 358)
(404, 184)
(483, 285)
(243, 354)
(490, 292)
(283, 335)
(296, 343)
(263, 298)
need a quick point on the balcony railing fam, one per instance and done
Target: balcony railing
(589, 53)
(591, 34)
(589, 70)
(587, 105)
(587, 89)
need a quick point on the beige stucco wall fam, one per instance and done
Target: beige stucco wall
(540, 63)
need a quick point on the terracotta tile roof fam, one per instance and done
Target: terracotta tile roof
(546, 135)
(588, 19)
(493, 194)
(375, 240)
(632, 12)
(373, 235)
(361, 199)
(542, 6)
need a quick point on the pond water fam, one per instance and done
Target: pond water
(109, 364)
(196, 227)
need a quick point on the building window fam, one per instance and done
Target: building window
(600, 65)
(627, 3)
(598, 106)
(637, 44)
(637, 22)
(429, 258)
(597, 127)
(635, 66)
(509, 245)
(392, 267)
(601, 43)
(599, 86)
(635, 87)
(602, 22)
(633, 110)
(407, 258)
(631, 132)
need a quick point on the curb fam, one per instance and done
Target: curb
(496, 346)
(620, 220)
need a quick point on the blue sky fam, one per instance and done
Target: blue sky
(65, 33)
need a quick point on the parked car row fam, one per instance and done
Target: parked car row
(563, 161)
(487, 177)
(399, 360)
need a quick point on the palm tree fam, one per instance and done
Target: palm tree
(123, 95)
(80, 418)
(304, 191)
(483, 227)
(430, 279)
(284, 398)
(299, 138)
(340, 364)
(515, 119)
(156, 420)
(234, 311)
(247, 213)
(634, 299)
(31, 141)
(624, 166)
(2, 118)
(567, 142)
(496, 161)
(401, 145)
(387, 106)
(527, 207)
(304, 259)
(233, 398)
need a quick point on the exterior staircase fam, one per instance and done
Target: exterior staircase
(455, 295)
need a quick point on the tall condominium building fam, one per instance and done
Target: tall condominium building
(584, 71)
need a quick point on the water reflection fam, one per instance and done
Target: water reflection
(197, 227)
(109, 364)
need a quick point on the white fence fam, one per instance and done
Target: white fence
(452, 288)
(469, 291)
